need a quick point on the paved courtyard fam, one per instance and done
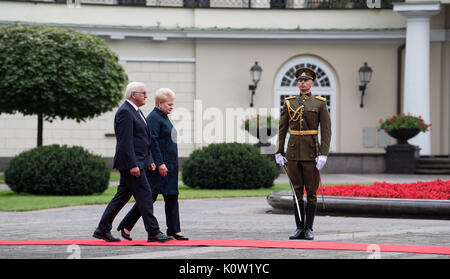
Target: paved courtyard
(223, 218)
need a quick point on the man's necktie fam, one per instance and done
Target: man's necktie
(142, 116)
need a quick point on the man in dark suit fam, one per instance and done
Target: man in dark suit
(132, 157)
(165, 152)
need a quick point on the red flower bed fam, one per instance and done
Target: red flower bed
(435, 190)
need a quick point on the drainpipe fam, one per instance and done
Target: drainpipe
(399, 78)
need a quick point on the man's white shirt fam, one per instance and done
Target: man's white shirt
(137, 109)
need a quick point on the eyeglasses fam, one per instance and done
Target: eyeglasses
(145, 93)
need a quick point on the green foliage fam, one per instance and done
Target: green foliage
(57, 72)
(57, 170)
(260, 122)
(229, 166)
(401, 121)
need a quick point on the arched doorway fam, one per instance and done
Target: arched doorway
(324, 85)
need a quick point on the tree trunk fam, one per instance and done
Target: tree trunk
(40, 126)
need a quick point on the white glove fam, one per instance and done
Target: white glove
(279, 159)
(321, 160)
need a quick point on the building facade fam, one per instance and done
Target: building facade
(204, 53)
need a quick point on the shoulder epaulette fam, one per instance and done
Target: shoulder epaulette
(321, 98)
(288, 98)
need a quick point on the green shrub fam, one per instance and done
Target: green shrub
(57, 170)
(229, 166)
(55, 72)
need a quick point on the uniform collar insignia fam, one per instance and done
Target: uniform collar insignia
(305, 96)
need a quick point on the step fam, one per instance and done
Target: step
(430, 160)
(432, 171)
(433, 166)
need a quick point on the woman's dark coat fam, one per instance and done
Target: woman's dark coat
(164, 150)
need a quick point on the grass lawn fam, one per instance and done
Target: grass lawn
(115, 176)
(11, 201)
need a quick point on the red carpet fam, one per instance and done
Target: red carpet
(444, 250)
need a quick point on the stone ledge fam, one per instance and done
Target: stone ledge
(282, 203)
(355, 163)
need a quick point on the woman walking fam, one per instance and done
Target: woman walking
(164, 180)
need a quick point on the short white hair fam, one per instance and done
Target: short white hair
(163, 94)
(133, 87)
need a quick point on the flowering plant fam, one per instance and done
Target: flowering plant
(260, 122)
(401, 121)
(435, 190)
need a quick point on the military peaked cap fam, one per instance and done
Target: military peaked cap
(306, 73)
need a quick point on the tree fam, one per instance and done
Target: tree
(57, 72)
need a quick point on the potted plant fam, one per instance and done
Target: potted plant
(403, 127)
(261, 127)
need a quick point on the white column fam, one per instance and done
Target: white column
(416, 97)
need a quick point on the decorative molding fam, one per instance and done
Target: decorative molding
(158, 59)
(369, 35)
(416, 6)
(249, 34)
(437, 35)
(417, 9)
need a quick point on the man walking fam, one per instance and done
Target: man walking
(132, 157)
(301, 116)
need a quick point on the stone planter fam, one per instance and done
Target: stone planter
(403, 135)
(402, 157)
(263, 135)
(282, 202)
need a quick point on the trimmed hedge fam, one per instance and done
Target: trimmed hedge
(229, 166)
(57, 170)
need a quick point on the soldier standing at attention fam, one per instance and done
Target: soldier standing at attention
(301, 116)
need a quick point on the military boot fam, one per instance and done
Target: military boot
(310, 213)
(299, 222)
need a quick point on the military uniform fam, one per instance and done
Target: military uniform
(301, 117)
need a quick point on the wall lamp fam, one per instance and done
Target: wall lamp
(365, 74)
(255, 74)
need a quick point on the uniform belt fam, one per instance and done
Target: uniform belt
(303, 133)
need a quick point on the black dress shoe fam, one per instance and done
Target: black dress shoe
(179, 237)
(309, 235)
(124, 234)
(107, 236)
(158, 237)
(299, 234)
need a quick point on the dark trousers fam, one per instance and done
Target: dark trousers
(304, 175)
(140, 189)
(172, 215)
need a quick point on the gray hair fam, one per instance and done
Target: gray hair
(133, 87)
(163, 94)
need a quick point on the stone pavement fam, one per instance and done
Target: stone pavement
(226, 218)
